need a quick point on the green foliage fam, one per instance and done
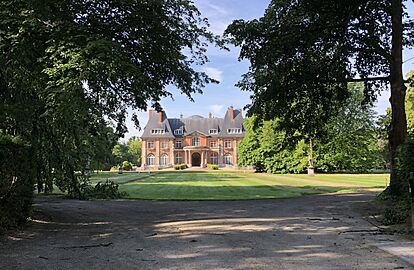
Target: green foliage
(409, 104)
(180, 166)
(287, 45)
(213, 166)
(249, 153)
(405, 163)
(16, 182)
(398, 213)
(70, 69)
(102, 190)
(134, 150)
(130, 151)
(268, 149)
(302, 54)
(115, 168)
(126, 165)
(350, 143)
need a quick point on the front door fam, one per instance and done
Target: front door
(196, 159)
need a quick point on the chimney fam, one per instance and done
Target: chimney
(150, 111)
(210, 115)
(231, 112)
(160, 116)
(181, 116)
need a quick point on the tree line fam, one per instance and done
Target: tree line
(354, 140)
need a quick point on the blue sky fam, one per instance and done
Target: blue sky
(225, 67)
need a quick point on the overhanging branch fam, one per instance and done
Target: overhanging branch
(386, 78)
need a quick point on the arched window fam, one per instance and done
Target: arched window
(164, 160)
(178, 158)
(228, 159)
(213, 158)
(150, 160)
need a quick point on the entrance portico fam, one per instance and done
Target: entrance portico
(196, 156)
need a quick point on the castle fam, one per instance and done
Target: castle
(195, 140)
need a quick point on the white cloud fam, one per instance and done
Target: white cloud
(214, 73)
(216, 109)
(219, 17)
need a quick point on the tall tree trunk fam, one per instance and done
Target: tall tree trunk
(399, 122)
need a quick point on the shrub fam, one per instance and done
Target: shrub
(102, 190)
(126, 166)
(213, 166)
(16, 182)
(398, 213)
(115, 168)
(405, 163)
(180, 166)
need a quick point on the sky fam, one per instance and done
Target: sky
(225, 67)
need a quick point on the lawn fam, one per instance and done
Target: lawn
(229, 185)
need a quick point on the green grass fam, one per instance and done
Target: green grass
(228, 185)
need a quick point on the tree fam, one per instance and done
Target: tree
(303, 54)
(351, 142)
(69, 68)
(120, 153)
(134, 150)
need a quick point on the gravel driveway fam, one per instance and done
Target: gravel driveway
(313, 232)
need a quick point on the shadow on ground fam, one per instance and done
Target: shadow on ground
(315, 232)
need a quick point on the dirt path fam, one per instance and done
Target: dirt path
(315, 232)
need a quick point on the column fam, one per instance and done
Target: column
(189, 159)
(172, 155)
(143, 153)
(202, 159)
(234, 153)
(157, 152)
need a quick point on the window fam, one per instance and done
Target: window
(234, 130)
(178, 132)
(195, 141)
(158, 131)
(150, 145)
(164, 144)
(228, 159)
(150, 160)
(164, 160)
(213, 143)
(227, 144)
(213, 158)
(178, 158)
(178, 144)
(213, 131)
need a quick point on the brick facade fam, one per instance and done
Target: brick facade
(195, 141)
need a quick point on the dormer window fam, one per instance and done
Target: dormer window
(213, 131)
(158, 131)
(178, 132)
(234, 131)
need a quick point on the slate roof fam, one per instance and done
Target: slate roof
(194, 123)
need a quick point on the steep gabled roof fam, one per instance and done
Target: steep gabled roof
(154, 123)
(236, 122)
(195, 123)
